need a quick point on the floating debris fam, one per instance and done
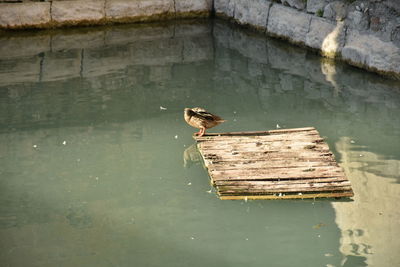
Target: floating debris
(317, 226)
(192, 238)
(162, 108)
(34, 146)
(352, 141)
(189, 183)
(209, 191)
(328, 255)
(64, 142)
(277, 126)
(176, 136)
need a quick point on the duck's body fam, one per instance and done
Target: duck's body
(201, 119)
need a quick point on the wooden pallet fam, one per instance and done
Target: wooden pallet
(277, 164)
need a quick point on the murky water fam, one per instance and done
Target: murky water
(94, 173)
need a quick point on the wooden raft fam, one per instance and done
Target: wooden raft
(277, 164)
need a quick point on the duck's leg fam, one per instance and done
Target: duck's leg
(198, 133)
(202, 131)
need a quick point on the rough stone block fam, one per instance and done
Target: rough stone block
(24, 14)
(314, 5)
(335, 10)
(126, 9)
(77, 11)
(224, 7)
(298, 4)
(252, 12)
(358, 20)
(326, 36)
(288, 23)
(365, 50)
(184, 6)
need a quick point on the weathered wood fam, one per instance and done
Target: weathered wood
(252, 133)
(280, 182)
(302, 196)
(285, 163)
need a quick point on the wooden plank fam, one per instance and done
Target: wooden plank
(266, 138)
(279, 173)
(300, 187)
(268, 154)
(275, 197)
(279, 131)
(254, 148)
(251, 166)
(291, 162)
(292, 181)
(276, 160)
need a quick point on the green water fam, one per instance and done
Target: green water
(93, 172)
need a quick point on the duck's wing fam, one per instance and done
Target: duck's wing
(208, 116)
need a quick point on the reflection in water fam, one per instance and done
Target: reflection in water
(370, 224)
(191, 156)
(91, 168)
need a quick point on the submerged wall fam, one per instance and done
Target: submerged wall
(364, 33)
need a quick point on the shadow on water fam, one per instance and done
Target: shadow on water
(93, 170)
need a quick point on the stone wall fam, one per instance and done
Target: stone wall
(363, 33)
(91, 12)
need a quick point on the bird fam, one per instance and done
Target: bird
(201, 119)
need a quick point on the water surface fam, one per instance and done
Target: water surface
(94, 173)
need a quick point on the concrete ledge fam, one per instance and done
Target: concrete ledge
(252, 12)
(193, 8)
(20, 15)
(120, 10)
(77, 12)
(224, 8)
(288, 23)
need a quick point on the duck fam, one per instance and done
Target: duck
(201, 119)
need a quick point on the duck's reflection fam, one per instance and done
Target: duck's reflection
(191, 156)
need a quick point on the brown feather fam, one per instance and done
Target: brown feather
(200, 118)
